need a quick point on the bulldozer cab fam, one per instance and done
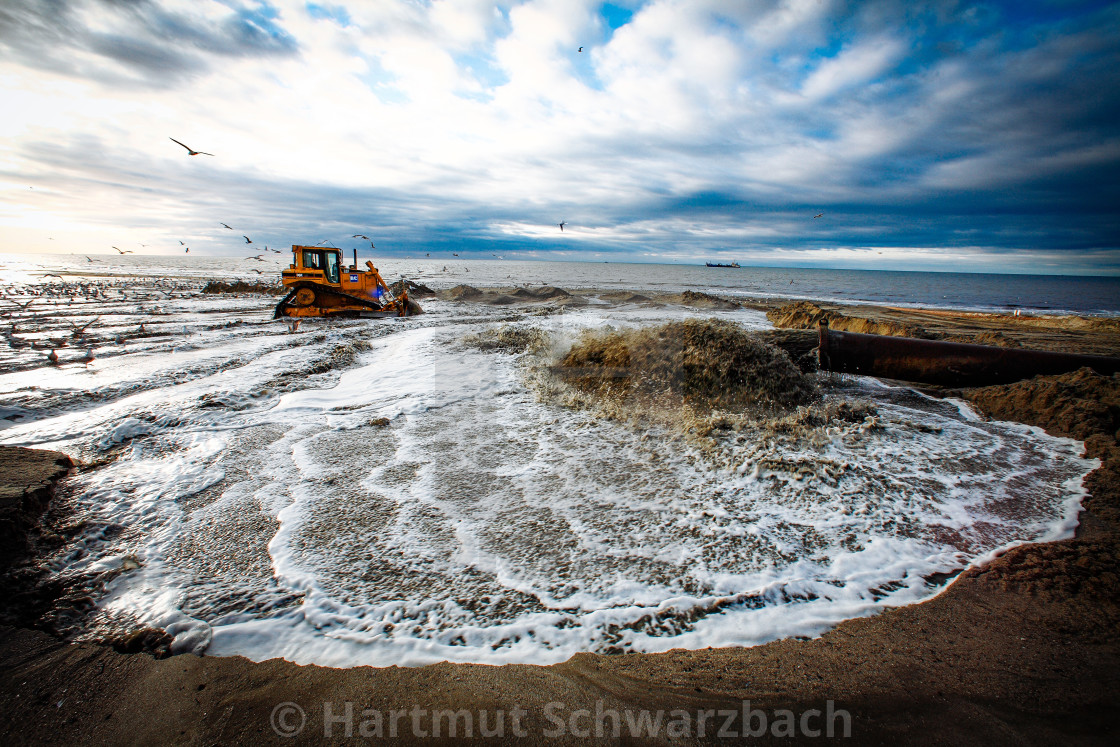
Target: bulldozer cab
(324, 260)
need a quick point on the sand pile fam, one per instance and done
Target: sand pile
(461, 293)
(271, 289)
(707, 364)
(30, 596)
(506, 296)
(415, 290)
(625, 297)
(1082, 323)
(703, 301)
(545, 292)
(807, 315)
(1084, 405)
(509, 338)
(993, 338)
(35, 471)
(1081, 404)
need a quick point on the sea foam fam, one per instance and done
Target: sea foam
(423, 504)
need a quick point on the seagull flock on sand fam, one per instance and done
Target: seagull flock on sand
(28, 306)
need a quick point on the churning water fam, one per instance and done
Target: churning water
(380, 492)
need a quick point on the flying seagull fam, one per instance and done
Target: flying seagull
(189, 151)
(247, 239)
(561, 224)
(259, 258)
(123, 251)
(818, 215)
(359, 236)
(187, 250)
(182, 243)
(227, 225)
(80, 330)
(580, 49)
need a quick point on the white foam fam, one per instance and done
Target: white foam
(565, 474)
(483, 525)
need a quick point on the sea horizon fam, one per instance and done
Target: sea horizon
(964, 291)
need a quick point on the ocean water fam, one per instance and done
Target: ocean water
(983, 292)
(384, 492)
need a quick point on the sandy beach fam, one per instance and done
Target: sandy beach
(1024, 649)
(554, 372)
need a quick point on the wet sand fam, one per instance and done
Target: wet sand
(1023, 650)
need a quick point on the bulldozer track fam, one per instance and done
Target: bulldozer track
(325, 290)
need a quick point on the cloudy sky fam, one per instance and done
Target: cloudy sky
(954, 136)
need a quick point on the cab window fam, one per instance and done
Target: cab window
(312, 260)
(332, 266)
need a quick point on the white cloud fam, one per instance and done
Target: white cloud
(464, 22)
(853, 66)
(678, 124)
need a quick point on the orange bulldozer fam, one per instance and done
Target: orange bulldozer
(321, 286)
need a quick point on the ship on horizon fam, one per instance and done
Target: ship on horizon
(722, 264)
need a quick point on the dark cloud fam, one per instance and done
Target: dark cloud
(148, 45)
(281, 212)
(996, 127)
(1004, 126)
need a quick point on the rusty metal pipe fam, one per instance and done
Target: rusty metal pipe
(946, 363)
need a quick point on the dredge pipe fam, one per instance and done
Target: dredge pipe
(946, 363)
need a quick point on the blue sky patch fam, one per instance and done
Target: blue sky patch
(334, 13)
(258, 28)
(615, 15)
